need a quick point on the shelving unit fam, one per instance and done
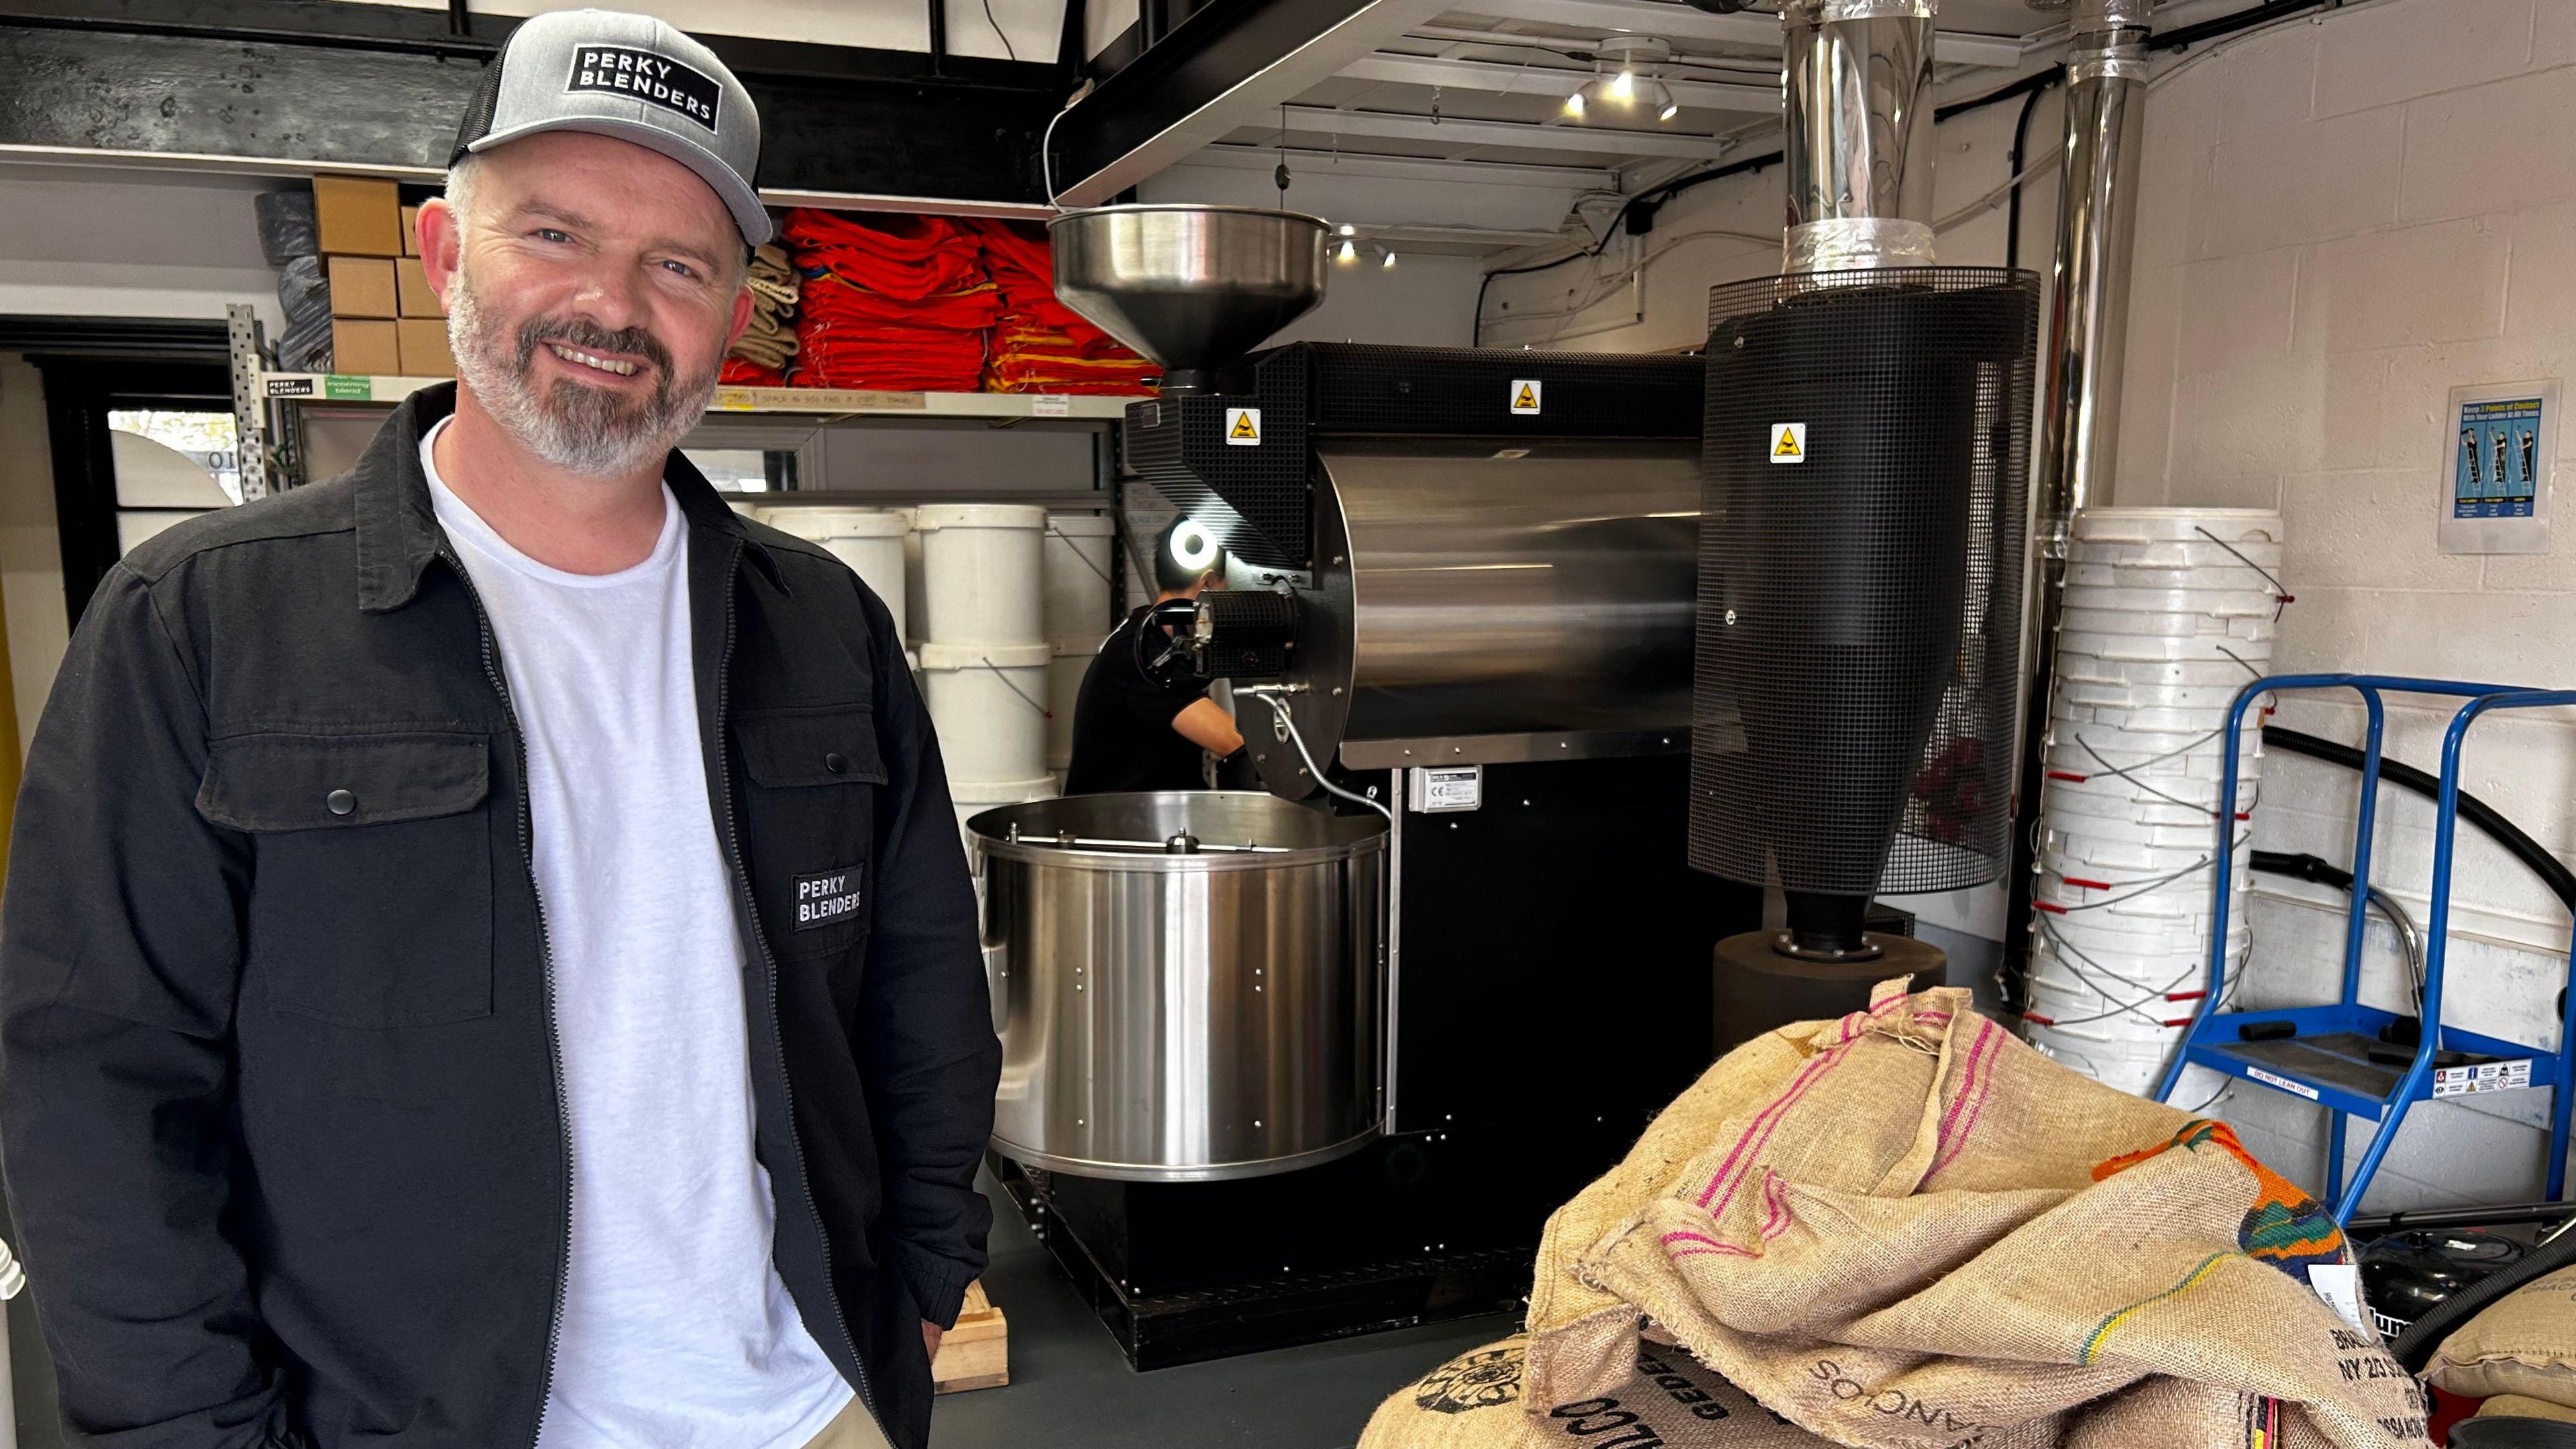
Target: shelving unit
(840, 402)
(267, 404)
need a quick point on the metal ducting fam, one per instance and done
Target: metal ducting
(2106, 83)
(1857, 84)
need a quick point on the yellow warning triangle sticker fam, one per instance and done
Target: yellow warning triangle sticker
(1527, 399)
(1243, 427)
(1788, 445)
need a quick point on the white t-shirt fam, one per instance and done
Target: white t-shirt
(676, 1333)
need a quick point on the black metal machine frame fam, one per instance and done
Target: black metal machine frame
(1553, 990)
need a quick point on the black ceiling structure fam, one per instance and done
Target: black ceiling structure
(1190, 58)
(323, 84)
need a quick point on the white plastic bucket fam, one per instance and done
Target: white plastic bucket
(2153, 625)
(2237, 654)
(916, 589)
(1078, 547)
(988, 703)
(2179, 525)
(869, 540)
(2147, 810)
(982, 575)
(1065, 670)
(2203, 553)
(2126, 694)
(2200, 578)
(2144, 598)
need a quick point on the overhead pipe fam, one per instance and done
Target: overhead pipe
(2106, 82)
(1856, 84)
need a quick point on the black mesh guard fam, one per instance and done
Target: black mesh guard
(1860, 609)
(476, 123)
(1255, 630)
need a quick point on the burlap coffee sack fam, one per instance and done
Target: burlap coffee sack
(1667, 1400)
(2517, 1406)
(2523, 1343)
(1923, 1233)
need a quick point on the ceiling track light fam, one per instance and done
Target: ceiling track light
(1625, 76)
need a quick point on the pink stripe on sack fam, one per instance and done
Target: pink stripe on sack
(1971, 1099)
(1774, 1196)
(1760, 1131)
(1713, 1247)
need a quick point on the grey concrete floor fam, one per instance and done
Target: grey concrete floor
(1071, 1388)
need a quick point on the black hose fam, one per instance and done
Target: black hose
(2305, 867)
(2021, 140)
(2415, 1347)
(2552, 871)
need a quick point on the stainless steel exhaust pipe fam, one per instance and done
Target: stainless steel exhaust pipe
(2106, 83)
(1857, 90)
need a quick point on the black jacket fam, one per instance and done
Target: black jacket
(283, 1122)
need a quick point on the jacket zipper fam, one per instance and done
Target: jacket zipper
(546, 955)
(760, 943)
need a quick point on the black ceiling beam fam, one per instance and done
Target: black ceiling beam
(329, 83)
(1223, 49)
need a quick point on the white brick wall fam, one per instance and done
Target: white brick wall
(2341, 222)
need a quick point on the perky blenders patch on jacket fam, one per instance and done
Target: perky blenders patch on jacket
(2286, 1228)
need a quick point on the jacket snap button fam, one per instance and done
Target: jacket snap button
(834, 763)
(340, 802)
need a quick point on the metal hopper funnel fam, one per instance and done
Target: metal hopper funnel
(1190, 287)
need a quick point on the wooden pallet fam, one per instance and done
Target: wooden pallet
(976, 1354)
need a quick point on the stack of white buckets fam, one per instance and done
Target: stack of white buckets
(2169, 613)
(1004, 605)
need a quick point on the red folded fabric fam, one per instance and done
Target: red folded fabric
(967, 310)
(1039, 344)
(926, 359)
(899, 302)
(743, 372)
(900, 256)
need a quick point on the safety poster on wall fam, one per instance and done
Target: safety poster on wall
(2502, 438)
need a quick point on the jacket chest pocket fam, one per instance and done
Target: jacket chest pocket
(371, 905)
(809, 811)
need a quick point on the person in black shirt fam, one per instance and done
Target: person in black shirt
(1133, 730)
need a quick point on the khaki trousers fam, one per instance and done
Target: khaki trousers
(853, 1429)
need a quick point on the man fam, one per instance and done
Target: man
(1139, 729)
(489, 959)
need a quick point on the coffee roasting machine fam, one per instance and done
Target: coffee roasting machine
(1614, 642)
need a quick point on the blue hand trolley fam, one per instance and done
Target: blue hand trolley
(2333, 1055)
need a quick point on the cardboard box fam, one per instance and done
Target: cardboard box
(365, 348)
(424, 348)
(411, 231)
(357, 217)
(411, 286)
(363, 287)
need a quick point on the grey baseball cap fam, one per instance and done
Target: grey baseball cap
(628, 76)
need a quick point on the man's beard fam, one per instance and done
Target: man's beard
(593, 431)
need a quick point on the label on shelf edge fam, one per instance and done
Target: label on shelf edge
(2269, 1079)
